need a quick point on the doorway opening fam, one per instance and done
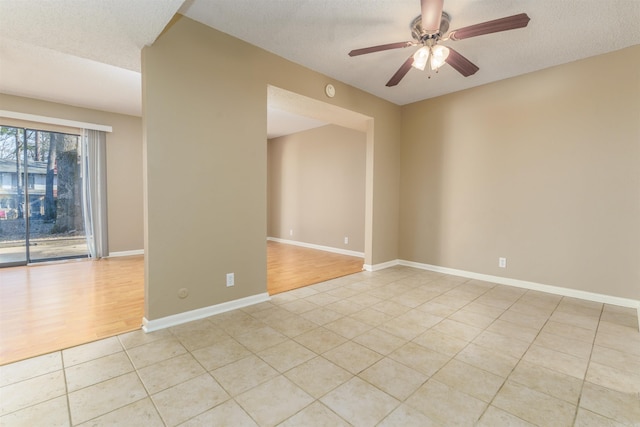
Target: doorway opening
(307, 113)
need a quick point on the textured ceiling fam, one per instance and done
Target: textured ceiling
(108, 31)
(87, 52)
(79, 52)
(319, 34)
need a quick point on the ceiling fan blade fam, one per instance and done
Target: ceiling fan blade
(379, 48)
(503, 24)
(402, 71)
(461, 64)
(431, 15)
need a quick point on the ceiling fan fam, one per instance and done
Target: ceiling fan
(429, 29)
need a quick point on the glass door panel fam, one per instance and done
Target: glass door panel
(12, 219)
(56, 224)
(46, 189)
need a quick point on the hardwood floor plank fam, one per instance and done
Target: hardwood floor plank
(290, 267)
(49, 307)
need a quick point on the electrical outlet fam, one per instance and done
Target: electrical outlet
(346, 240)
(291, 232)
(502, 262)
(230, 279)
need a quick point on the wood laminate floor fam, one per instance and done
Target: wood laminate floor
(290, 267)
(49, 307)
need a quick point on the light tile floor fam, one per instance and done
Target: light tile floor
(398, 347)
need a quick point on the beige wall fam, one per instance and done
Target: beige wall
(316, 187)
(543, 169)
(124, 164)
(205, 99)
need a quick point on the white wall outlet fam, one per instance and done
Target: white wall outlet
(502, 262)
(183, 293)
(230, 279)
(291, 232)
(346, 240)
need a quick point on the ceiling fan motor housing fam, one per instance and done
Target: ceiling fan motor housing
(419, 34)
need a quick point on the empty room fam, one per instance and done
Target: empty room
(479, 160)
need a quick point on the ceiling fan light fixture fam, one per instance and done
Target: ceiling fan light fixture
(429, 28)
(420, 58)
(439, 56)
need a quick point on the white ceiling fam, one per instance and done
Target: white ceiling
(87, 52)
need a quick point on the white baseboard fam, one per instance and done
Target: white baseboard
(377, 267)
(318, 247)
(201, 313)
(556, 290)
(126, 253)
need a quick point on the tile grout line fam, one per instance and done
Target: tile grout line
(208, 372)
(356, 375)
(135, 369)
(520, 359)
(124, 350)
(575, 417)
(66, 388)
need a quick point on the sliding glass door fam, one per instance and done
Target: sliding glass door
(41, 214)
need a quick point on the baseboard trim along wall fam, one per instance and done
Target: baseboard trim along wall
(201, 313)
(556, 290)
(378, 267)
(126, 253)
(318, 247)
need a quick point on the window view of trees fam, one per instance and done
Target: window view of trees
(40, 178)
